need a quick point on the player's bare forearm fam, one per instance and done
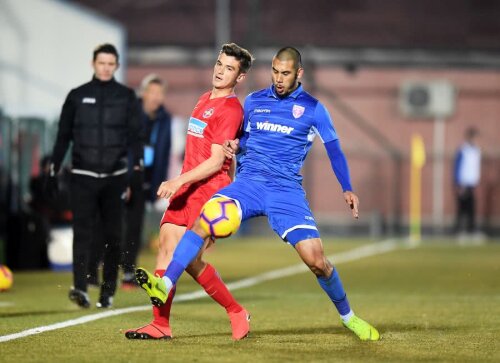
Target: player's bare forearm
(352, 201)
(204, 170)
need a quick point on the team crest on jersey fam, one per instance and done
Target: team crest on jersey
(298, 111)
(208, 112)
(196, 127)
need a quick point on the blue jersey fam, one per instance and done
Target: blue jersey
(279, 133)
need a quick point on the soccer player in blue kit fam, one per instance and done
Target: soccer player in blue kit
(280, 124)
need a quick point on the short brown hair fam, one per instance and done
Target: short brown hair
(241, 54)
(106, 48)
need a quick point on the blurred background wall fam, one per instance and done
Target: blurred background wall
(47, 50)
(377, 66)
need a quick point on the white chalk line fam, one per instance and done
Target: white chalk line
(338, 258)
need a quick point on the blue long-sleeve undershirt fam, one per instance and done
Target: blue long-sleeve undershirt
(339, 164)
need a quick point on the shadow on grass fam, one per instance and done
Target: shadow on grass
(385, 330)
(404, 328)
(258, 333)
(300, 331)
(242, 299)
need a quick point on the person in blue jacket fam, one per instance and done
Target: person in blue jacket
(157, 130)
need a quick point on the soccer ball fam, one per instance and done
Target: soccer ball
(220, 217)
(6, 278)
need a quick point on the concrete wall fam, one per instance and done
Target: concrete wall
(45, 50)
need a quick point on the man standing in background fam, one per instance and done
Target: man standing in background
(101, 121)
(157, 129)
(467, 173)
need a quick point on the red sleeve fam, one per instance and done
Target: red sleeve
(228, 123)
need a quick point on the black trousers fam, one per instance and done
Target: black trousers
(466, 210)
(93, 200)
(134, 221)
(96, 252)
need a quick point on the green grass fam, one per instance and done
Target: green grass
(438, 302)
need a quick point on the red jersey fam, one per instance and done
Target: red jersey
(212, 122)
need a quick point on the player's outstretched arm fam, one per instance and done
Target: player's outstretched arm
(341, 170)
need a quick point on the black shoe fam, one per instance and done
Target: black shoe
(79, 297)
(105, 302)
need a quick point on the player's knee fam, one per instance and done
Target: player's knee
(198, 229)
(320, 266)
(311, 252)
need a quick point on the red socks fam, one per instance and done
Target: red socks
(214, 286)
(162, 314)
(210, 280)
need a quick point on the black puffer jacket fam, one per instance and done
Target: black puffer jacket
(102, 120)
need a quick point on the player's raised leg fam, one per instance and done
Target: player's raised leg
(311, 252)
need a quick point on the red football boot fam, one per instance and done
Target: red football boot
(150, 331)
(240, 324)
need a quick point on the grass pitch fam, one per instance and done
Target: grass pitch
(436, 302)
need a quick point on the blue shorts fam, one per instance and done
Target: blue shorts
(286, 207)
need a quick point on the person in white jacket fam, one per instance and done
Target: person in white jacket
(467, 173)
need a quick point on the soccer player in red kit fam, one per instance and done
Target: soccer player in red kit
(216, 117)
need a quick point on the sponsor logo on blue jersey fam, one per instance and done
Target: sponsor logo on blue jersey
(196, 127)
(268, 126)
(262, 110)
(298, 111)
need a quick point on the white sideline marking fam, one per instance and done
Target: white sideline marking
(338, 258)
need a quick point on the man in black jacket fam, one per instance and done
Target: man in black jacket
(101, 119)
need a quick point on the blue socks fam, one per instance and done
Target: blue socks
(187, 249)
(335, 291)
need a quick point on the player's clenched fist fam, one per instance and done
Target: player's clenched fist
(230, 148)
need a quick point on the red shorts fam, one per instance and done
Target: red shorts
(185, 205)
